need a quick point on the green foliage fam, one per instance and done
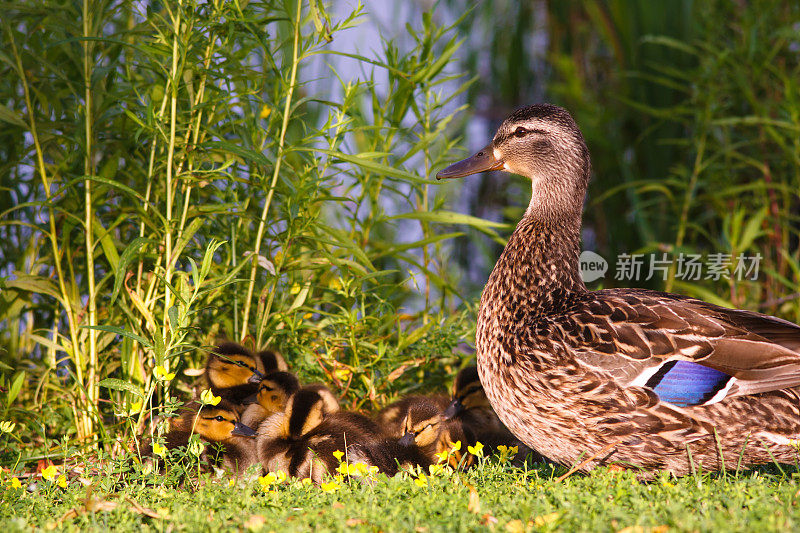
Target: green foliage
(491, 496)
(174, 179)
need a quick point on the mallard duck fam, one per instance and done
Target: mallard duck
(301, 441)
(634, 376)
(218, 425)
(273, 393)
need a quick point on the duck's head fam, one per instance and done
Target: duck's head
(272, 361)
(422, 425)
(541, 142)
(231, 365)
(306, 409)
(218, 423)
(275, 390)
(468, 393)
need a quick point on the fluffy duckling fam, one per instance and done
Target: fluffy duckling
(219, 425)
(272, 361)
(471, 409)
(273, 394)
(392, 418)
(233, 372)
(425, 428)
(302, 440)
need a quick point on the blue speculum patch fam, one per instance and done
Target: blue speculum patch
(684, 383)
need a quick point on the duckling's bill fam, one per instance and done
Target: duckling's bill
(482, 161)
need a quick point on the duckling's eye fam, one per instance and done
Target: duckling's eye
(219, 418)
(520, 132)
(268, 389)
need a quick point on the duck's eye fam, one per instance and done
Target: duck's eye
(520, 132)
(219, 418)
(268, 389)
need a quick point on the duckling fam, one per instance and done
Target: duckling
(273, 394)
(272, 361)
(392, 417)
(426, 429)
(218, 425)
(302, 440)
(233, 372)
(470, 407)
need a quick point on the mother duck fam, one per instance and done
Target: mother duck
(636, 377)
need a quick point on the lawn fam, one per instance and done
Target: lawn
(494, 496)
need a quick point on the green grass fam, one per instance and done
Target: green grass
(503, 498)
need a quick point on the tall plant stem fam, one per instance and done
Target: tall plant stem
(262, 222)
(82, 430)
(168, 259)
(88, 171)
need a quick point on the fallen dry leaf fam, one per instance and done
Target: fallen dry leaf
(515, 526)
(474, 505)
(543, 520)
(255, 522)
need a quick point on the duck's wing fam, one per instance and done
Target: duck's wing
(689, 352)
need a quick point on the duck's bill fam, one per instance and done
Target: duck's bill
(480, 162)
(241, 429)
(255, 378)
(453, 409)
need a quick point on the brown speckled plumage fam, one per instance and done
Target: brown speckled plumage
(562, 366)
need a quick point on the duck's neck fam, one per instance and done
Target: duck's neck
(538, 271)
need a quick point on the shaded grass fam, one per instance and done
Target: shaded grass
(504, 499)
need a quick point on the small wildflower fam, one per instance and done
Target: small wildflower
(295, 288)
(342, 373)
(421, 481)
(345, 469)
(503, 448)
(476, 450)
(436, 469)
(159, 449)
(265, 112)
(196, 448)
(513, 451)
(163, 374)
(136, 408)
(442, 456)
(330, 487)
(338, 454)
(15, 483)
(306, 481)
(456, 446)
(49, 473)
(335, 284)
(207, 398)
(231, 482)
(62, 481)
(7, 427)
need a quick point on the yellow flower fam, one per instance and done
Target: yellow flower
(62, 481)
(342, 373)
(513, 451)
(265, 112)
(421, 481)
(306, 481)
(330, 487)
(207, 398)
(436, 469)
(335, 284)
(162, 373)
(15, 483)
(231, 482)
(196, 448)
(159, 449)
(295, 288)
(503, 448)
(442, 456)
(476, 450)
(267, 481)
(7, 427)
(49, 473)
(345, 469)
(456, 446)
(338, 454)
(136, 407)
